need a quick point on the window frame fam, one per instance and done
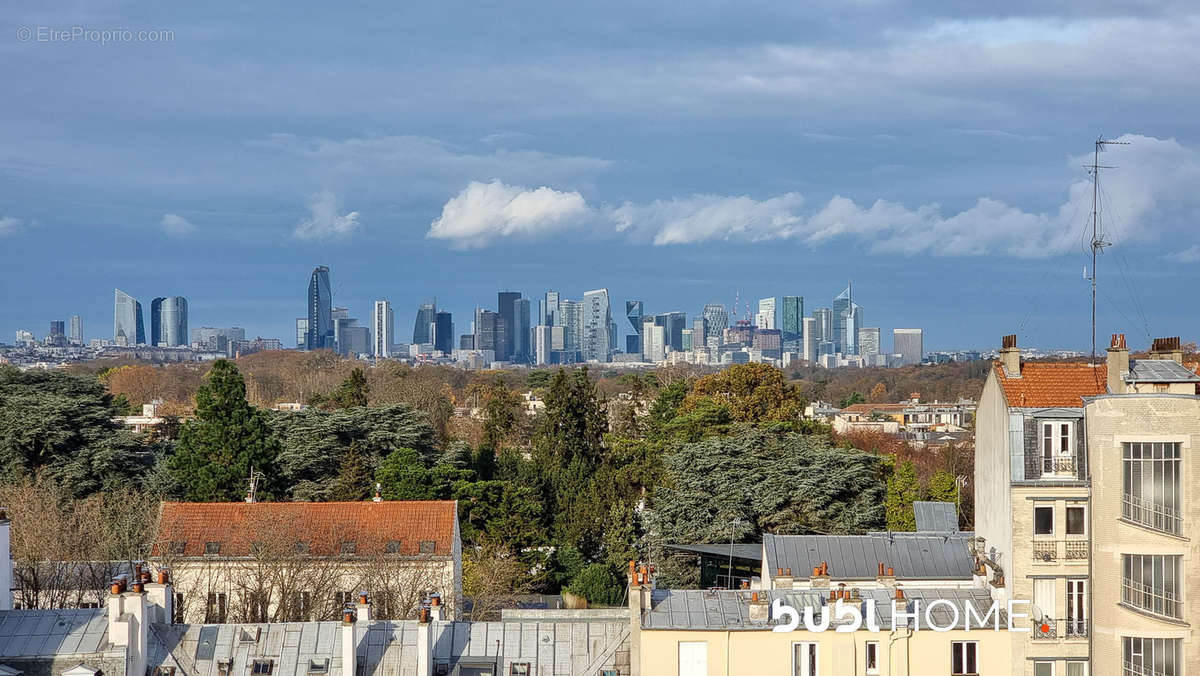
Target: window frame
(1043, 506)
(1054, 445)
(815, 654)
(871, 654)
(1144, 469)
(961, 649)
(1084, 522)
(1043, 663)
(1163, 602)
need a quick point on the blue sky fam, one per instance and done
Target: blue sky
(678, 154)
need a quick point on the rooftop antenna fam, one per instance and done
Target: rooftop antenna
(255, 477)
(1098, 241)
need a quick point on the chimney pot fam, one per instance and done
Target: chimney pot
(754, 597)
(789, 572)
(138, 587)
(632, 571)
(164, 576)
(899, 594)
(424, 616)
(891, 572)
(115, 588)
(778, 572)
(435, 600)
(816, 571)
(348, 616)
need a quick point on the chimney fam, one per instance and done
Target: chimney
(435, 608)
(886, 576)
(758, 607)
(6, 567)
(1010, 356)
(1167, 348)
(350, 643)
(378, 495)
(784, 579)
(424, 646)
(820, 576)
(160, 598)
(1118, 364)
(128, 624)
(363, 608)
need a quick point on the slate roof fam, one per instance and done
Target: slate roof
(729, 610)
(323, 526)
(1159, 371)
(938, 517)
(554, 648)
(913, 556)
(751, 552)
(45, 633)
(1055, 385)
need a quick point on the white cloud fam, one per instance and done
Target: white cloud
(323, 221)
(9, 225)
(1149, 197)
(176, 225)
(482, 212)
(1188, 255)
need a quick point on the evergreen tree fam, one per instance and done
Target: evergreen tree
(228, 437)
(352, 392)
(902, 490)
(943, 487)
(353, 481)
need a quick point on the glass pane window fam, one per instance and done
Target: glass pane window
(1076, 521)
(1151, 583)
(872, 657)
(1076, 668)
(1151, 485)
(1043, 669)
(1043, 520)
(1150, 656)
(963, 658)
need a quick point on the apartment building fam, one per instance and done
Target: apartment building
(1080, 507)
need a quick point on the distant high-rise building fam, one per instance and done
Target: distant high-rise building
(213, 339)
(597, 320)
(654, 341)
(301, 333)
(354, 340)
(490, 332)
(384, 323)
(570, 317)
(847, 319)
(25, 338)
(58, 335)
(506, 307)
(699, 332)
(426, 315)
(674, 323)
(168, 321)
(320, 311)
(687, 339)
(443, 332)
(76, 330)
(791, 316)
(765, 319)
(823, 325)
(549, 346)
(634, 313)
(770, 342)
(909, 345)
(808, 339)
(548, 309)
(868, 341)
(520, 334)
(717, 321)
(128, 328)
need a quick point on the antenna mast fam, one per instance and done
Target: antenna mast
(1098, 241)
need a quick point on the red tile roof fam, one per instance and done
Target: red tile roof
(322, 527)
(1053, 385)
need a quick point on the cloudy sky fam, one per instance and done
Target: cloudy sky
(681, 154)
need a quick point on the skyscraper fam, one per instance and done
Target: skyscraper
(909, 345)
(765, 319)
(792, 314)
(718, 321)
(301, 333)
(520, 334)
(384, 324)
(823, 325)
(570, 317)
(597, 320)
(868, 342)
(128, 328)
(654, 341)
(168, 321)
(58, 335)
(506, 302)
(425, 318)
(674, 323)
(443, 332)
(699, 332)
(548, 310)
(320, 311)
(809, 339)
(633, 312)
(76, 330)
(847, 319)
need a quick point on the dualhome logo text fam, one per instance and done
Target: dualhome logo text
(849, 617)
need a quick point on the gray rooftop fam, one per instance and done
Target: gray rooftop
(913, 556)
(752, 552)
(937, 517)
(43, 633)
(730, 609)
(1159, 371)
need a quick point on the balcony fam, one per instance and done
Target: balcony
(1051, 629)
(1151, 515)
(1054, 467)
(1052, 551)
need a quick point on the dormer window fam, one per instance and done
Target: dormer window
(1057, 446)
(212, 548)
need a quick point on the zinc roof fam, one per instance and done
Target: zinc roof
(1159, 371)
(44, 633)
(913, 556)
(938, 517)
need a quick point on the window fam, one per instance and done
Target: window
(1058, 456)
(341, 600)
(392, 547)
(1043, 669)
(212, 548)
(318, 665)
(349, 547)
(428, 546)
(301, 547)
(301, 606)
(1156, 656)
(263, 667)
(177, 609)
(804, 659)
(871, 658)
(1076, 521)
(1151, 583)
(1076, 608)
(1151, 485)
(1076, 668)
(256, 605)
(164, 671)
(1043, 520)
(1043, 604)
(178, 547)
(216, 610)
(519, 669)
(963, 658)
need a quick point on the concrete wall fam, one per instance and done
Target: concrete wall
(1112, 420)
(993, 509)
